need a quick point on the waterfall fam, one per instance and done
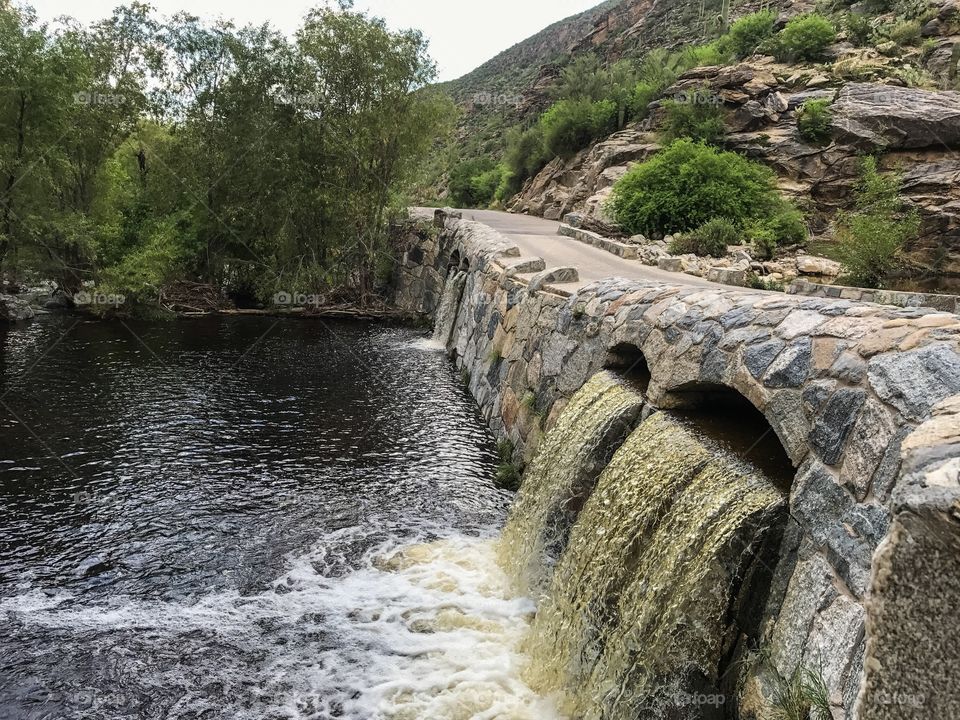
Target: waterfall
(449, 305)
(638, 618)
(571, 456)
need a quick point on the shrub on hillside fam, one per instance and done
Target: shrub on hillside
(875, 233)
(783, 225)
(715, 53)
(711, 238)
(571, 125)
(813, 121)
(747, 33)
(697, 115)
(859, 30)
(687, 184)
(904, 32)
(806, 37)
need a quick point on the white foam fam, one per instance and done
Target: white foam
(419, 632)
(426, 345)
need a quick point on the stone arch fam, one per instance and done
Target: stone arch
(734, 421)
(628, 360)
(456, 262)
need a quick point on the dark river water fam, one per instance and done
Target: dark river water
(195, 516)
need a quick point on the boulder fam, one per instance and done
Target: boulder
(871, 115)
(727, 276)
(13, 309)
(813, 265)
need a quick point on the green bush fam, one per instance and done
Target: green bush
(904, 32)
(687, 184)
(805, 38)
(711, 238)
(747, 33)
(698, 116)
(784, 225)
(571, 125)
(875, 233)
(813, 121)
(788, 225)
(643, 94)
(859, 30)
(715, 53)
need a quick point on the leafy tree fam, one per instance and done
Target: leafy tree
(466, 187)
(135, 153)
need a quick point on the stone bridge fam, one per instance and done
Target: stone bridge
(865, 400)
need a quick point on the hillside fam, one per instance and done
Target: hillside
(882, 78)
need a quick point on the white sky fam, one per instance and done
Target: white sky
(462, 34)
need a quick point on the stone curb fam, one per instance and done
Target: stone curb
(614, 247)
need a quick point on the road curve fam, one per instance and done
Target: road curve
(537, 237)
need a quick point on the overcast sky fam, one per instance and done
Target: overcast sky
(462, 33)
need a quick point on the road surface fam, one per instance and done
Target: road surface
(537, 237)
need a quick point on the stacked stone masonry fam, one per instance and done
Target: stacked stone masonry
(864, 398)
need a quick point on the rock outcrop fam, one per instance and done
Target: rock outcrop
(916, 132)
(13, 309)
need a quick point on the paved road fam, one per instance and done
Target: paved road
(538, 237)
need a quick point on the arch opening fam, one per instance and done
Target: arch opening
(628, 361)
(733, 422)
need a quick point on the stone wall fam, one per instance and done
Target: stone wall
(844, 385)
(946, 303)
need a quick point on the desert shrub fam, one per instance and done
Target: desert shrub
(747, 33)
(571, 125)
(813, 121)
(697, 115)
(805, 38)
(874, 234)
(643, 94)
(859, 30)
(787, 225)
(582, 79)
(904, 32)
(711, 238)
(783, 225)
(715, 53)
(689, 183)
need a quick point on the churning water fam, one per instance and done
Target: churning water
(221, 537)
(268, 520)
